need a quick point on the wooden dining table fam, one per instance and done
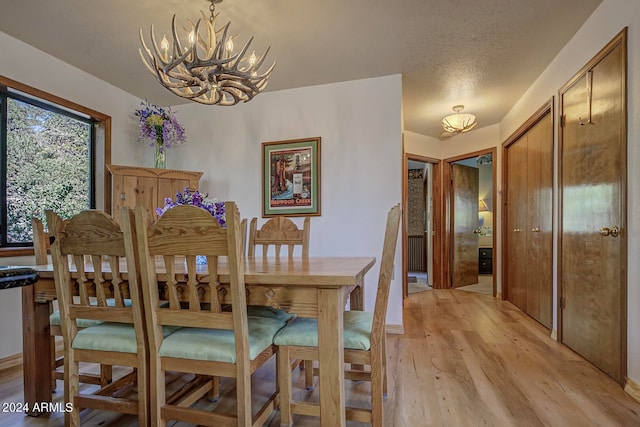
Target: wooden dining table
(310, 287)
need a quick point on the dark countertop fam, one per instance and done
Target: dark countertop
(15, 276)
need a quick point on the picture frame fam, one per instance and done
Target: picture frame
(291, 177)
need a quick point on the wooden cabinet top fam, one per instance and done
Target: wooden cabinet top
(153, 173)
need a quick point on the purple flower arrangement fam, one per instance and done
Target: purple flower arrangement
(195, 198)
(160, 126)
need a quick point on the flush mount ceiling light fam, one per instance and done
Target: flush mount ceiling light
(459, 122)
(204, 67)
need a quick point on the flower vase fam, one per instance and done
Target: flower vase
(161, 159)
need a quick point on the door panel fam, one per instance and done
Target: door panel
(464, 223)
(539, 273)
(140, 191)
(516, 249)
(168, 187)
(593, 281)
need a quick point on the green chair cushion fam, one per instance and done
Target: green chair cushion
(54, 318)
(110, 336)
(120, 337)
(218, 344)
(303, 332)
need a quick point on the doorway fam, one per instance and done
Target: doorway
(470, 203)
(420, 242)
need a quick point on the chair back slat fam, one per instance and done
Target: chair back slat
(116, 283)
(171, 284)
(386, 271)
(277, 232)
(85, 286)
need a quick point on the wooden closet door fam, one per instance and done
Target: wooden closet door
(516, 250)
(593, 185)
(539, 190)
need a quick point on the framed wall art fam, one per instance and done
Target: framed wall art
(291, 177)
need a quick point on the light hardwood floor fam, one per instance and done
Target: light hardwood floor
(465, 359)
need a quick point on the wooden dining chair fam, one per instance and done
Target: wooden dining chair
(109, 295)
(210, 342)
(41, 246)
(364, 344)
(277, 232)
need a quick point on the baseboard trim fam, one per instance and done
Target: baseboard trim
(11, 361)
(554, 334)
(14, 360)
(395, 329)
(632, 388)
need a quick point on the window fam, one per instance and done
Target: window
(47, 159)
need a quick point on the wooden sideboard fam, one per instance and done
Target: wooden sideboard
(138, 186)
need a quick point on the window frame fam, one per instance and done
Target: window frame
(100, 156)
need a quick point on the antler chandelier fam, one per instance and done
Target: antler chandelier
(459, 122)
(204, 68)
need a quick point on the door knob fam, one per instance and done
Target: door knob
(516, 230)
(535, 230)
(613, 231)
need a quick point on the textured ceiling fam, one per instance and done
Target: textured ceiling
(480, 53)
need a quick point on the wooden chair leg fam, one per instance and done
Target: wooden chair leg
(384, 366)
(214, 393)
(71, 388)
(106, 375)
(157, 394)
(308, 374)
(285, 386)
(377, 380)
(142, 380)
(53, 355)
(54, 365)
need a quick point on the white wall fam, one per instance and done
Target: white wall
(422, 145)
(360, 126)
(606, 21)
